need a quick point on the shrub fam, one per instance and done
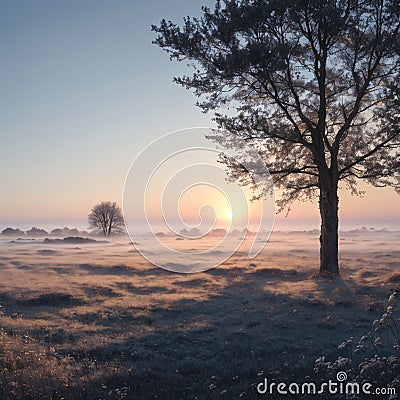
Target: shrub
(375, 357)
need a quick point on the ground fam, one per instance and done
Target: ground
(97, 321)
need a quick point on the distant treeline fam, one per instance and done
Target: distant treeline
(39, 232)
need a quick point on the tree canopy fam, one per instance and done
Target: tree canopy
(107, 217)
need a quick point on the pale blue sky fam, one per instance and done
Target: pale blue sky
(82, 91)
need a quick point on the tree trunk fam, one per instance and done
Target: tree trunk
(328, 206)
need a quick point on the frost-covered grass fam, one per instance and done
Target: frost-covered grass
(99, 322)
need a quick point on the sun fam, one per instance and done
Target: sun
(229, 214)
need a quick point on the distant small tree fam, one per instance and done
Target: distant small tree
(107, 217)
(12, 232)
(34, 231)
(66, 232)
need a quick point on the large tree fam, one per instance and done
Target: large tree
(313, 84)
(107, 217)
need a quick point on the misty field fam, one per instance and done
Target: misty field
(97, 321)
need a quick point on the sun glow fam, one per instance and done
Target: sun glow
(229, 214)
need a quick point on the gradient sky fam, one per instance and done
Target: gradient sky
(83, 90)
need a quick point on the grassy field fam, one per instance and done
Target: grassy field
(97, 321)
